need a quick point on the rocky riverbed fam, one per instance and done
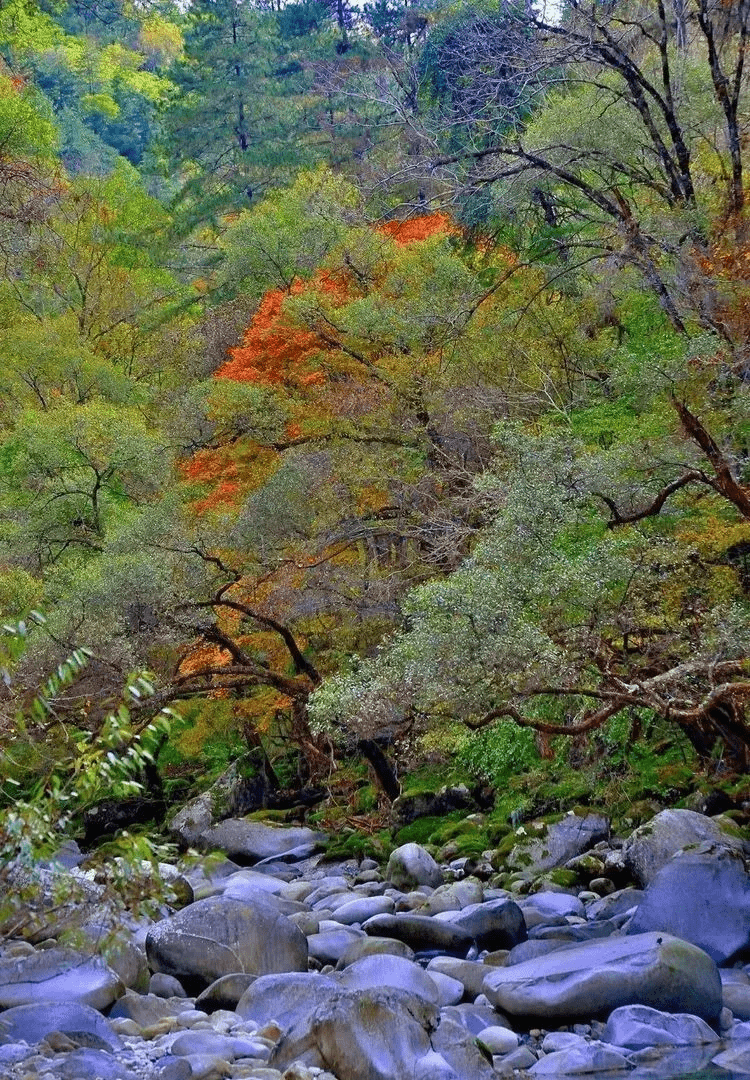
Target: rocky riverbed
(279, 964)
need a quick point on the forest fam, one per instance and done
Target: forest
(374, 403)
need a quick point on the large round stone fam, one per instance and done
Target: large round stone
(637, 1027)
(287, 999)
(588, 980)
(703, 896)
(362, 1035)
(653, 844)
(219, 936)
(31, 1023)
(372, 972)
(58, 975)
(410, 866)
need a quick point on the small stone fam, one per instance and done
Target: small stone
(522, 1058)
(172, 1068)
(165, 986)
(124, 1026)
(498, 1040)
(59, 1042)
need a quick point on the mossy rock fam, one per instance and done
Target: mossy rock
(562, 877)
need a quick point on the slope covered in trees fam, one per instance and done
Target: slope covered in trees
(374, 380)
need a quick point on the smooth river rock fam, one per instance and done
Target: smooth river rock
(31, 1023)
(588, 980)
(653, 844)
(362, 1035)
(251, 842)
(703, 896)
(58, 975)
(637, 1026)
(219, 936)
(411, 866)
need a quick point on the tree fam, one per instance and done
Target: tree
(620, 159)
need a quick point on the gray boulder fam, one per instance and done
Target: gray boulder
(394, 972)
(653, 844)
(546, 847)
(735, 987)
(592, 979)
(469, 973)
(581, 1058)
(421, 933)
(255, 841)
(224, 993)
(703, 896)
(411, 866)
(58, 975)
(637, 1026)
(190, 823)
(495, 924)
(288, 999)
(459, 1049)
(147, 1010)
(362, 908)
(31, 1023)
(453, 896)
(88, 1062)
(362, 1035)
(329, 946)
(219, 936)
(374, 946)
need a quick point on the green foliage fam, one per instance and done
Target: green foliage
(498, 752)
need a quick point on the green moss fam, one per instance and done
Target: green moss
(561, 876)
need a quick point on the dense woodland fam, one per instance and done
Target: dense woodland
(373, 385)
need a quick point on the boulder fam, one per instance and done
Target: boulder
(407, 808)
(362, 908)
(374, 946)
(329, 946)
(552, 903)
(459, 1049)
(395, 972)
(546, 847)
(498, 1040)
(411, 866)
(31, 1023)
(701, 895)
(224, 993)
(58, 975)
(287, 999)
(190, 823)
(617, 903)
(362, 1035)
(146, 1010)
(421, 933)
(249, 842)
(495, 924)
(87, 1062)
(453, 896)
(637, 1026)
(736, 996)
(583, 981)
(474, 1018)
(653, 844)
(469, 973)
(219, 936)
(589, 1057)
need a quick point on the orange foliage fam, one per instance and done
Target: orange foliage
(275, 352)
(230, 472)
(416, 228)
